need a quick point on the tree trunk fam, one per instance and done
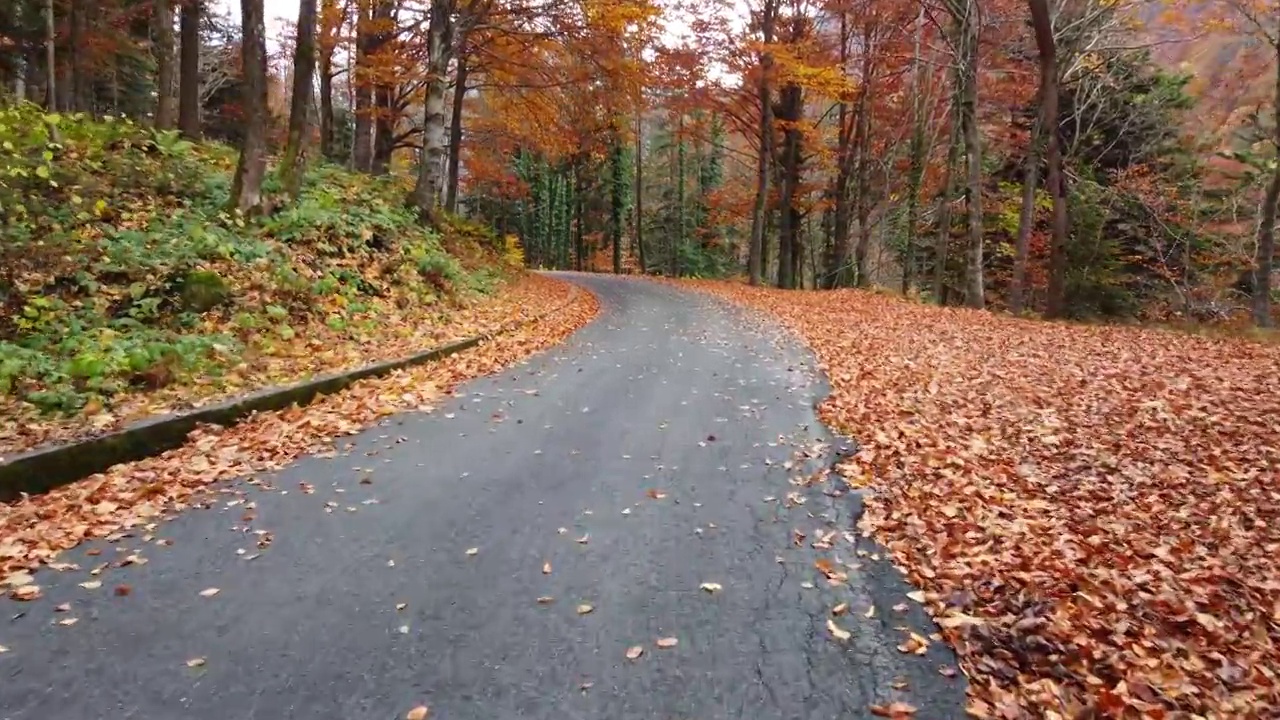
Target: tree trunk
(189, 71)
(791, 103)
(384, 130)
(304, 65)
(974, 291)
(165, 105)
(246, 186)
(1026, 219)
(1055, 304)
(678, 243)
(362, 143)
(50, 58)
(942, 244)
(915, 175)
(863, 144)
(426, 192)
(755, 250)
(1264, 256)
(639, 209)
(77, 66)
(837, 260)
(327, 41)
(617, 194)
(455, 133)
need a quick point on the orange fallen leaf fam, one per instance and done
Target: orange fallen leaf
(195, 662)
(546, 568)
(418, 713)
(634, 652)
(895, 709)
(26, 593)
(838, 632)
(209, 592)
(585, 608)
(667, 642)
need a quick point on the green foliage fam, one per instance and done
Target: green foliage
(119, 267)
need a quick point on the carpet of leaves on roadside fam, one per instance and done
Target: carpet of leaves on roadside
(34, 530)
(1091, 511)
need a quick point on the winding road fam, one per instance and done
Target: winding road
(367, 601)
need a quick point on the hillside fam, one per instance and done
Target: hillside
(128, 289)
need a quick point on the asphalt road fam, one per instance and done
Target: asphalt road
(666, 391)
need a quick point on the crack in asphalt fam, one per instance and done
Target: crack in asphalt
(667, 390)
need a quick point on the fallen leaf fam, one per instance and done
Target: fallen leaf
(838, 632)
(895, 709)
(401, 606)
(403, 629)
(3, 649)
(585, 608)
(122, 590)
(68, 621)
(655, 494)
(64, 607)
(91, 584)
(840, 609)
(26, 592)
(870, 613)
(18, 579)
(710, 587)
(195, 662)
(947, 671)
(209, 592)
(473, 551)
(561, 531)
(583, 540)
(418, 713)
(634, 652)
(917, 595)
(544, 599)
(667, 642)
(546, 568)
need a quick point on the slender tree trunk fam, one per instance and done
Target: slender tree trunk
(915, 177)
(1026, 219)
(617, 194)
(362, 143)
(455, 133)
(863, 143)
(756, 249)
(640, 188)
(678, 244)
(942, 244)
(837, 260)
(304, 65)
(246, 186)
(790, 108)
(189, 70)
(327, 39)
(974, 292)
(426, 192)
(1264, 256)
(1042, 22)
(76, 66)
(384, 130)
(50, 58)
(162, 20)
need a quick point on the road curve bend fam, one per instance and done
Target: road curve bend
(507, 552)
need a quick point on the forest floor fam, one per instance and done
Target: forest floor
(1092, 512)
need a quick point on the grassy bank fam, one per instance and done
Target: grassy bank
(127, 288)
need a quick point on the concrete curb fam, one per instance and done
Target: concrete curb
(43, 469)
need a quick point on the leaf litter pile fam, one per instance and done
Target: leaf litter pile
(1091, 511)
(539, 310)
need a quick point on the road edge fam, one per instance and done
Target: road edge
(43, 469)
